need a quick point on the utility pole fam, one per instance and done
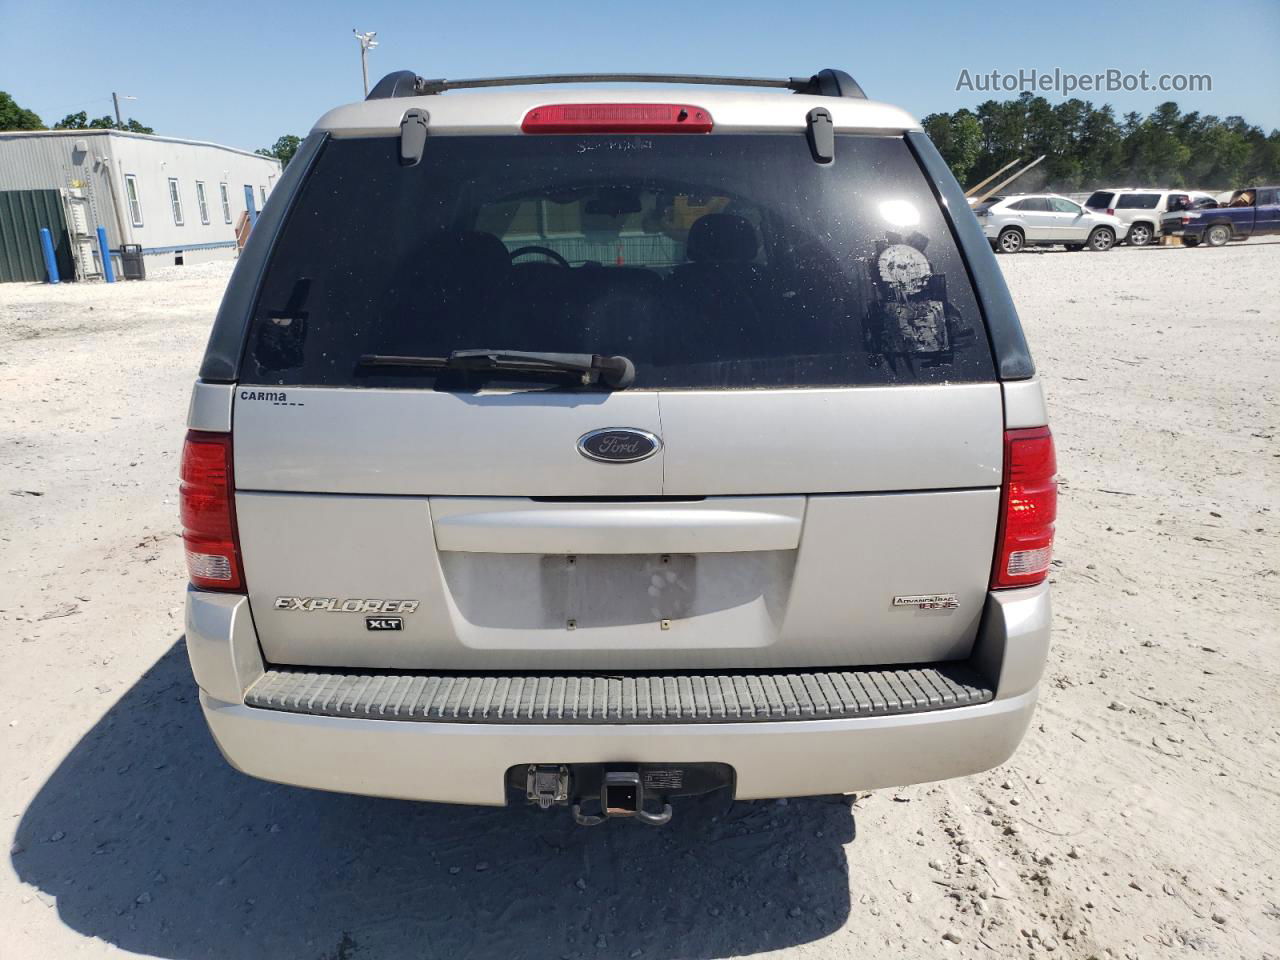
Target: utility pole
(115, 99)
(367, 43)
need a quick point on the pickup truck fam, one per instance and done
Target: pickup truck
(1251, 212)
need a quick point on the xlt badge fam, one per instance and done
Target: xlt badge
(383, 623)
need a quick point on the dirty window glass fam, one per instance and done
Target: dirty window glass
(710, 261)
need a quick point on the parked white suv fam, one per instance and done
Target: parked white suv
(1142, 209)
(610, 446)
(1011, 224)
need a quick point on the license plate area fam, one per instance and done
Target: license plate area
(508, 599)
(608, 590)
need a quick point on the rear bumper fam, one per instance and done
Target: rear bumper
(466, 763)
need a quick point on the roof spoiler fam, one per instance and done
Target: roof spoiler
(824, 83)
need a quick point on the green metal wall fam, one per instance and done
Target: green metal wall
(22, 214)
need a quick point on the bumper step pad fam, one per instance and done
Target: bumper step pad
(621, 698)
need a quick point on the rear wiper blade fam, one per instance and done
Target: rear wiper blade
(615, 372)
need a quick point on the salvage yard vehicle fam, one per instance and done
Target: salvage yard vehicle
(602, 447)
(1142, 210)
(1014, 223)
(1252, 212)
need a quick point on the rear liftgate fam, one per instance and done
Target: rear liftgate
(596, 792)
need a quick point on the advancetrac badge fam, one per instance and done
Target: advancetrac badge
(929, 601)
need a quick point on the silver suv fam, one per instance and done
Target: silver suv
(603, 446)
(1011, 224)
(1143, 210)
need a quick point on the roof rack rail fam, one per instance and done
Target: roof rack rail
(824, 83)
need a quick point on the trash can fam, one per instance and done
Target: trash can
(131, 262)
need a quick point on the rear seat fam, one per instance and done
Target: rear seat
(721, 278)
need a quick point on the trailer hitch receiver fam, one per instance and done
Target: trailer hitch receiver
(622, 795)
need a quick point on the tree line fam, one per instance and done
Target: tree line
(15, 117)
(1086, 146)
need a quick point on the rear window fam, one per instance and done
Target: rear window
(710, 261)
(1137, 201)
(1099, 199)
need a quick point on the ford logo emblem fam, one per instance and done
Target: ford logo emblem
(618, 445)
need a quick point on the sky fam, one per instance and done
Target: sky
(244, 73)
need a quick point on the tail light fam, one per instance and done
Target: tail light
(617, 118)
(1028, 509)
(1111, 211)
(208, 512)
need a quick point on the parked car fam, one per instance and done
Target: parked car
(1045, 219)
(609, 446)
(1251, 212)
(1142, 209)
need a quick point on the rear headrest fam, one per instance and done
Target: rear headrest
(472, 252)
(721, 237)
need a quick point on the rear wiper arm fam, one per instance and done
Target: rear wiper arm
(618, 373)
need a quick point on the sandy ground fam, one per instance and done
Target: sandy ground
(1138, 819)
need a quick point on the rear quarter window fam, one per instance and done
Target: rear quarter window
(1137, 201)
(1099, 199)
(721, 261)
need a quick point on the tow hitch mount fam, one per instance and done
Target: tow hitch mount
(596, 792)
(621, 795)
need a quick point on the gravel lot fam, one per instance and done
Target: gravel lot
(1138, 819)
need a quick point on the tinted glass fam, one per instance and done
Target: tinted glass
(709, 261)
(1100, 200)
(1266, 197)
(1137, 201)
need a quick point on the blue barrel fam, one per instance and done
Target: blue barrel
(50, 261)
(108, 271)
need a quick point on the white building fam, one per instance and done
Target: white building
(179, 199)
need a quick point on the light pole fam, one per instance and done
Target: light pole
(367, 43)
(115, 99)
